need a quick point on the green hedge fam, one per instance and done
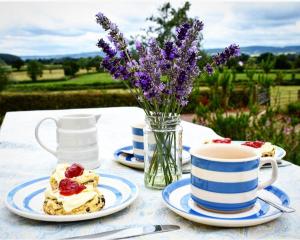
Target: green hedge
(294, 109)
(64, 100)
(22, 101)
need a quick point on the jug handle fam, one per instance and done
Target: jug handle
(37, 134)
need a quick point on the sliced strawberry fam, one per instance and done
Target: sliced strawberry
(223, 140)
(74, 170)
(254, 144)
(68, 187)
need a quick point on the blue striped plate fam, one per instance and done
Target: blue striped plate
(27, 199)
(177, 197)
(129, 160)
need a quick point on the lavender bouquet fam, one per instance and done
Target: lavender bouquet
(161, 79)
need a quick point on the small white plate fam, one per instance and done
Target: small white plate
(129, 160)
(27, 199)
(177, 198)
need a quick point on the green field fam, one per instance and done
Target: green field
(283, 95)
(47, 75)
(83, 81)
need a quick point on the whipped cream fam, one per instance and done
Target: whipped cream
(59, 173)
(74, 201)
(266, 147)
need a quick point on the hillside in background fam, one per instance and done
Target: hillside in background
(9, 58)
(257, 50)
(251, 50)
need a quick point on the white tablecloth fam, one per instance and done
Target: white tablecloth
(21, 159)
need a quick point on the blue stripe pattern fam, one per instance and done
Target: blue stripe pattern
(264, 208)
(224, 207)
(223, 187)
(137, 131)
(138, 145)
(139, 157)
(27, 200)
(225, 166)
(220, 187)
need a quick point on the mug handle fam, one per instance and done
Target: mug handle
(37, 134)
(274, 175)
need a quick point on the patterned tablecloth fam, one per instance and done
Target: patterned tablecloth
(21, 159)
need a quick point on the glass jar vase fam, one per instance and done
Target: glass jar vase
(163, 150)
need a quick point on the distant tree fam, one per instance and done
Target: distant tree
(282, 62)
(34, 69)
(18, 63)
(4, 74)
(265, 56)
(165, 22)
(95, 62)
(71, 67)
(244, 58)
(297, 62)
(84, 63)
(235, 64)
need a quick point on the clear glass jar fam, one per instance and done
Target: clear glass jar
(163, 150)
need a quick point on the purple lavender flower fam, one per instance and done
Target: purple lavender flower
(170, 51)
(192, 58)
(209, 69)
(232, 51)
(198, 25)
(182, 33)
(115, 36)
(106, 48)
(143, 80)
(103, 21)
(176, 61)
(182, 77)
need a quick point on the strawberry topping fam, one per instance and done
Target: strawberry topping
(68, 187)
(224, 140)
(74, 170)
(254, 144)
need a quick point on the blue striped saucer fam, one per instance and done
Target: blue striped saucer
(27, 199)
(129, 160)
(177, 197)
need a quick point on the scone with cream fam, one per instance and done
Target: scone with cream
(75, 172)
(266, 149)
(69, 196)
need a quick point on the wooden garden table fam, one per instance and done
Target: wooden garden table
(22, 159)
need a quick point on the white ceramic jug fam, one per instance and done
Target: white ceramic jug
(77, 139)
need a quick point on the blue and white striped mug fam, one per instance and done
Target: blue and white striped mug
(137, 130)
(224, 177)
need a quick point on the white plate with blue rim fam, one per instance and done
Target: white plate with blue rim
(125, 156)
(26, 199)
(177, 197)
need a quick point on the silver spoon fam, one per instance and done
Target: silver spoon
(280, 207)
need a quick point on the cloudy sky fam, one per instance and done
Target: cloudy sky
(63, 27)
